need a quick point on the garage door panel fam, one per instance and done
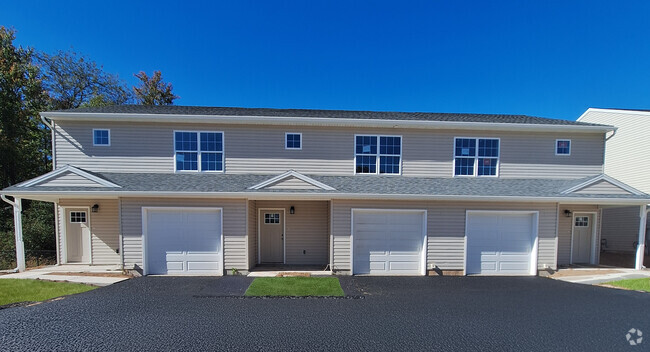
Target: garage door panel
(499, 244)
(388, 243)
(183, 241)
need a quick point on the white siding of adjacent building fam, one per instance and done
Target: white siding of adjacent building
(626, 157)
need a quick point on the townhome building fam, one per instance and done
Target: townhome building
(177, 190)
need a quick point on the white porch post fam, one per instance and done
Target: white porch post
(18, 226)
(640, 249)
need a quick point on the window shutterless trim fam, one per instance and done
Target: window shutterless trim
(109, 137)
(286, 134)
(198, 151)
(378, 154)
(563, 140)
(476, 157)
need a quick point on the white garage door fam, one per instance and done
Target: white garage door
(500, 243)
(388, 242)
(183, 241)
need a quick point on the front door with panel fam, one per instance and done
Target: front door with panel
(77, 236)
(272, 236)
(582, 238)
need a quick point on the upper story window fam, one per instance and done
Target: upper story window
(563, 147)
(198, 151)
(101, 137)
(378, 154)
(476, 156)
(293, 141)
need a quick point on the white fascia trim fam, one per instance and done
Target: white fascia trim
(68, 168)
(605, 178)
(322, 121)
(324, 196)
(615, 111)
(292, 173)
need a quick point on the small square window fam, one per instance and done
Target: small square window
(273, 218)
(77, 216)
(562, 147)
(101, 137)
(293, 141)
(582, 221)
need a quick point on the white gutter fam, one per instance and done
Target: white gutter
(327, 196)
(18, 226)
(323, 121)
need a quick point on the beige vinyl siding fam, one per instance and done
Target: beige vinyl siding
(307, 230)
(602, 187)
(326, 151)
(445, 229)
(234, 227)
(69, 179)
(565, 229)
(620, 228)
(252, 233)
(104, 228)
(623, 161)
(292, 183)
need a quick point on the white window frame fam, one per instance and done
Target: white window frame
(109, 137)
(286, 134)
(563, 140)
(198, 151)
(476, 157)
(378, 155)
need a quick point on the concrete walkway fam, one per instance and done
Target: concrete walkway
(594, 276)
(96, 275)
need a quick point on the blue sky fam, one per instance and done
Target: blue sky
(543, 58)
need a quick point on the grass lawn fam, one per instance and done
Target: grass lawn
(633, 284)
(21, 290)
(295, 286)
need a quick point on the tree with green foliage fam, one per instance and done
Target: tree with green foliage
(73, 80)
(153, 91)
(24, 142)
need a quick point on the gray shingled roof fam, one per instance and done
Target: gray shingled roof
(344, 114)
(386, 185)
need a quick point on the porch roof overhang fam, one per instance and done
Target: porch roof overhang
(197, 185)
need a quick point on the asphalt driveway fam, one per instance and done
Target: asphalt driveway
(419, 313)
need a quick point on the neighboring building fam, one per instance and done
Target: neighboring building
(198, 190)
(626, 160)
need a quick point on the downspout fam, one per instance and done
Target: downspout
(640, 248)
(18, 226)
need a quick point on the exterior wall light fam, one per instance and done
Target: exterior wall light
(292, 210)
(95, 208)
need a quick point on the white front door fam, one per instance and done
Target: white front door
(500, 243)
(388, 242)
(182, 241)
(582, 238)
(272, 236)
(77, 235)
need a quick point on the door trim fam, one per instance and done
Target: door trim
(594, 221)
(64, 237)
(534, 249)
(284, 232)
(424, 250)
(145, 213)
